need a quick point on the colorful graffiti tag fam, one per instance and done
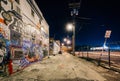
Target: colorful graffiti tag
(21, 51)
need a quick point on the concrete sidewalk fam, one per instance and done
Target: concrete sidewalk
(62, 67)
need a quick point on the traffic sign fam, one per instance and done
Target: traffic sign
(108, 33)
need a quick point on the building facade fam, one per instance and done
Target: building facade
(54, 46)
(24, 32)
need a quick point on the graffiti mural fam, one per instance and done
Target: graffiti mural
(6, 14)
(33, 52)
(24, 43)
(14, 22)
(4, 31)
(10, 30)
(2, 50)
(16, 31)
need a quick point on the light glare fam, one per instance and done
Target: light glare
(69, 27)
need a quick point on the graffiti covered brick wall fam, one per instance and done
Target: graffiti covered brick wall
(21, 33)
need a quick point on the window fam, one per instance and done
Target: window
(17, 1)
(32, 13)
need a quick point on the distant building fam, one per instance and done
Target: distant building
(54, 46)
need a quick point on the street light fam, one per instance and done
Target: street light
(74, 12)
(68, 42)
(65, 39)
(62, 44)
(71, 26)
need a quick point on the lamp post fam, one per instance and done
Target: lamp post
(71, 27)
(74, 12)
(73, 38)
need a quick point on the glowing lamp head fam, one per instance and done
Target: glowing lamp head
(70, 27)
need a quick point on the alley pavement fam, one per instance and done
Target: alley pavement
(61, 67)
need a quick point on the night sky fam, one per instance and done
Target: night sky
(101, 15)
